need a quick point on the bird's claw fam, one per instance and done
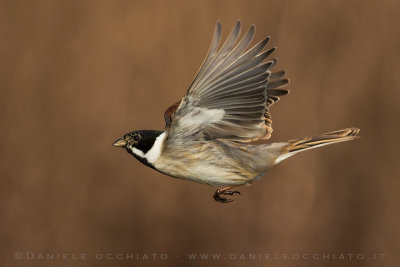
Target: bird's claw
(217, 195)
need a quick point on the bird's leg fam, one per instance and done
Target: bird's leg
(224, 191)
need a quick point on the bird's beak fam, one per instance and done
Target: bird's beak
(119, 142)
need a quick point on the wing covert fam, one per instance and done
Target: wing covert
(231, 93)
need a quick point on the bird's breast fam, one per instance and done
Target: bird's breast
(203, 162)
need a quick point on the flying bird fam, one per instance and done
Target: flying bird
(209, 133)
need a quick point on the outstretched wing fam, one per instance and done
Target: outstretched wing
(230, 95)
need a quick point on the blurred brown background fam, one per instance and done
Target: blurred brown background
(77, 75)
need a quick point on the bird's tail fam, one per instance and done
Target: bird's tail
(323, 139)
(296, 146)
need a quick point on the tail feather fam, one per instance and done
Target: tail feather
(295, 146)
(323, 139)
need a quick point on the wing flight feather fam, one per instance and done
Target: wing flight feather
(231, 93)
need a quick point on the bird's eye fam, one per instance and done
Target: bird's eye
(135, 138)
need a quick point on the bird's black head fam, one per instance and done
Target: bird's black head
(138, 143)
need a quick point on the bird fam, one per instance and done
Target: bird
(210, 134)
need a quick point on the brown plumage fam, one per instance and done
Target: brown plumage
(207, 133)
(323, 139)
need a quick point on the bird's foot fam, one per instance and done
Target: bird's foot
(224, 191)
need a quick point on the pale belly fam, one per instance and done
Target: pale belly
(207, 165)
(206, 174)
